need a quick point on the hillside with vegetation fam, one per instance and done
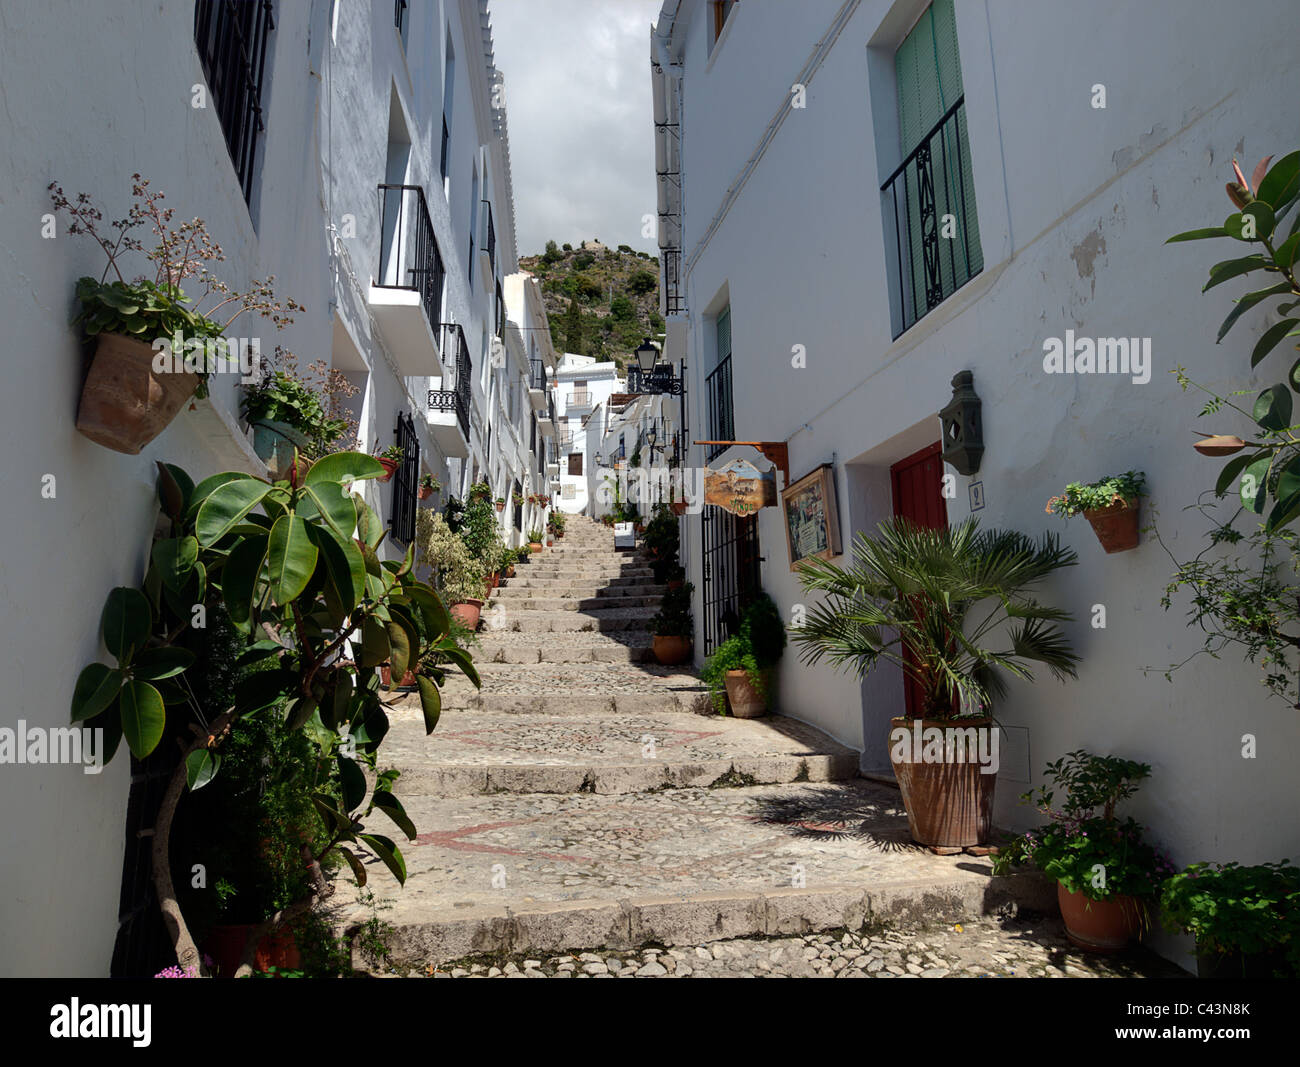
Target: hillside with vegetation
(600, 301)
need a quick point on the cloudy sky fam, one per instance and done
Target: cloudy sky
(578, 99)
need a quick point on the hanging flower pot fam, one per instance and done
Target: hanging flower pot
(679, 508)
(125, 403)
(1116, 526)
(274, 443)
(426, 491)
(390, 468)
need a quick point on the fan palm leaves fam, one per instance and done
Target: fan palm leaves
(951, 607)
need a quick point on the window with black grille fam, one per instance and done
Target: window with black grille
(231, 37)
(405, 482)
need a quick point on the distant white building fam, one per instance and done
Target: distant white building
(583, 388)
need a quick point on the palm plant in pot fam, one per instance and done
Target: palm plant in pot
(739, 672)
(155, 345)
(1110, 505)
(535, 540)
(952, 608)
(1106, 873)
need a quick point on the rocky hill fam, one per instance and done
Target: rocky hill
(600, 301)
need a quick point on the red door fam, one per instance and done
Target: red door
(918, 496)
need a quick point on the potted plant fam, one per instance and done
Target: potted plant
(454, 570)
(500, 503)
(662, 542)
(555, 523)
(909, 598)
(518, 499)
(390, 459)
(154, 347)
(428, 486)
(738, 674)
(288, 413)
(281, 561)
(480, 491)
(1110, 504)
(535, 540)
(674, 627)
(1246, 920)
(1106, 874)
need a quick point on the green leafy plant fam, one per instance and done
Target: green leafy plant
(312, 406)
(1270, 469)
(428, 481)
(453, 569)
(674, 618)
(535, 536)
(518, 499)
(522, 553)
(1127, 488)
(395, 453)
(1231, 909)
(662, 541)
(295, 566)
(480, 491)
(482, 533)
(756, 646)
(1087, 850)
(934, 602)
(151, 309)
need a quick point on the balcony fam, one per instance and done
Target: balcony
(547, 423)
(487, 254)
(537, 384)
(579, 398)
(929, 204)
(448, 414)
(406, 297)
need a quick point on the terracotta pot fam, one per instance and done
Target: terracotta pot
(1102, 926)
(534, 546)
(125, 403)
(510, 571)
(949, 803)
(390, 468)
(426, 492)
(467, 613)
(743, 698)
(501, 505)
(408, 679)
(671, 649)
(679, 507)
(1116, 526)
(225, 944)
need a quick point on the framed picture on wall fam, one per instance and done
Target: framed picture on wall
(812, 521)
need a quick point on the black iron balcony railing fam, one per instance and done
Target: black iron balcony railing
(446, 146)
(455, 354)
(399, 16)
(536, 374)
(231, 38)
(408, 251)
(489, 235)
(550, 404)
(722, 420)
(930, 202)
(670, 260)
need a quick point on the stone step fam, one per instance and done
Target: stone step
(526, 581)
(607, 620)
(579, 591)
(625, 646)
(479, 751)
(511, 872)
(577, 688)
(540, 602)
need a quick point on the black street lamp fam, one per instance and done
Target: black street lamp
(646, 356)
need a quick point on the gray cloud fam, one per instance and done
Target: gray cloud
(577, 90)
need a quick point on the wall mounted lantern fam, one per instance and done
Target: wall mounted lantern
(963, 428)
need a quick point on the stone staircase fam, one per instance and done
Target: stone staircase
(587, 797)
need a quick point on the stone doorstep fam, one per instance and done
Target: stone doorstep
(582, 925)
(456, 780)
(574, 702)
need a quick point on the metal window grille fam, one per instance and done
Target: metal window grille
(446, 146)
(231, 37)
(405, 481)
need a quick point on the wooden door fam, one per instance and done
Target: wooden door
(918, 495)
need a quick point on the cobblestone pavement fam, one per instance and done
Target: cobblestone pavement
(468, 737)
(679, 842)
(1023, 947)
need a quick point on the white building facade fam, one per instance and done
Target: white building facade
(789, 142)
(583, 386)
(369, 173)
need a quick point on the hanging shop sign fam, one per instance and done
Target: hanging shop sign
(740, 488)
(812, 521)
